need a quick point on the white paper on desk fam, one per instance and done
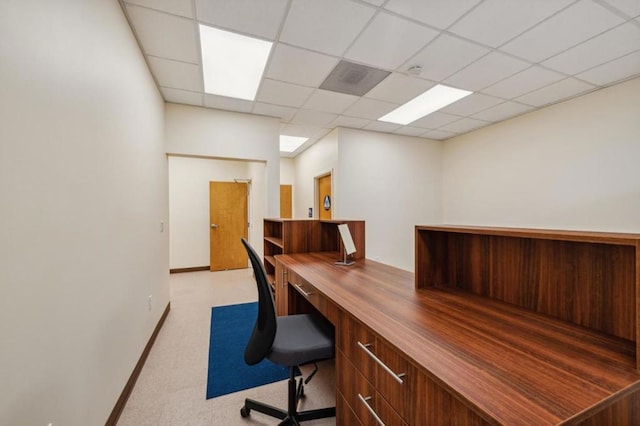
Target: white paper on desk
(345, 234)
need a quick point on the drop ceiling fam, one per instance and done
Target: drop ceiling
(515, 55)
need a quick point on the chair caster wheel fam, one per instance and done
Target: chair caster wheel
(244, 412)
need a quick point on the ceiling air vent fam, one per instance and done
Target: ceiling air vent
(353, 79)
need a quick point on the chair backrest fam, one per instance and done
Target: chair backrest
(264, 330)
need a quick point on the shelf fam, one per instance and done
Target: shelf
(275, 241)
(271, 260)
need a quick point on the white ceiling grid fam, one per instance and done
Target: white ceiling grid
(516, 55)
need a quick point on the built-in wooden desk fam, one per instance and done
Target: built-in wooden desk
(436, 355)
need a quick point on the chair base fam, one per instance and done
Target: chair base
(290, 416)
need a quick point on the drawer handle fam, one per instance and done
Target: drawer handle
(397, 377)
(299, 287)
(365, 401)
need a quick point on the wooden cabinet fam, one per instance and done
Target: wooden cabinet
(397, 392)
(281, 293)
(586, 278)
(388, 373)
(286, 236)
(368, 405)
(282, 236)
(497, 326)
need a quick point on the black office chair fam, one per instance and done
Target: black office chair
(287, 340)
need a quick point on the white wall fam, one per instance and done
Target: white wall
(287, 171)
(574, 165)
(83, 184)
(319, 159)
(205, 132)
(393, 182)
(189, 204)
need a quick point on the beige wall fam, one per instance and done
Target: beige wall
(83, 184)
(189, 204)
(393, 182)
(205, 132)
(574, 165)
(319, 159)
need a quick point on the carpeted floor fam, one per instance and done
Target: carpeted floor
(171, 389)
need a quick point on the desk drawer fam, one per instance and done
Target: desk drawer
(389, 372)
(368, 405)
(344, 414)
(327, 308)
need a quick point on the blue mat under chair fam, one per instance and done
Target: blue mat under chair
(231, 327)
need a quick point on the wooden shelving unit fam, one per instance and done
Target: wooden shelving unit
(590, 279)
(285, 236)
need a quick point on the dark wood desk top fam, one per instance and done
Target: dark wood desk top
(508, 364)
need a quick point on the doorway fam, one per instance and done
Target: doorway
(228, 219)
(324, 201)
(286, 204)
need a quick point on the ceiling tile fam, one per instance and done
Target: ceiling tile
(530, 79)
(503, 111)
(464, 125)
(555, 92)
(279, 93)
(181, 96)
(438, 13)
(327, 26)
(619, 69)
(175, 74)
(228, 104)
(482, 26)
(435, 120)
(317, 118)
(284, 113)
(436, 59)
(299, 66)
(409, 131)
(353, 122)
(628, 7)
(486, 71)
(256, 17)
(571, 26)
(381, 126)
(603, 48)
(399, 88)
(471, 104)
(389, 41)
(439, 135)
(371, 109)
(306, 131)
(164, 35)
(176, 7)
(328, 101)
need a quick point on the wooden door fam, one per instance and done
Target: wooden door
(228, 221)
(285, 201)
(325, 201)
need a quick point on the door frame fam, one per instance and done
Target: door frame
(316, 192)
(249, 211)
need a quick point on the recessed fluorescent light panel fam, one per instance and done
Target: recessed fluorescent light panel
(232, 64)
(430, 101)
(291, 143)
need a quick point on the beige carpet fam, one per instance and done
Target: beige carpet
(172, 386)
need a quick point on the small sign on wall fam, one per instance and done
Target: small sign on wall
(310, 211)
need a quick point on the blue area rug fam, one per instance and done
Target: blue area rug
(231, 327)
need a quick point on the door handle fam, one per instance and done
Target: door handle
(214, 226)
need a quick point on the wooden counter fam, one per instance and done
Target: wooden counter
(460, 357)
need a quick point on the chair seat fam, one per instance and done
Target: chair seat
(301, 339)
